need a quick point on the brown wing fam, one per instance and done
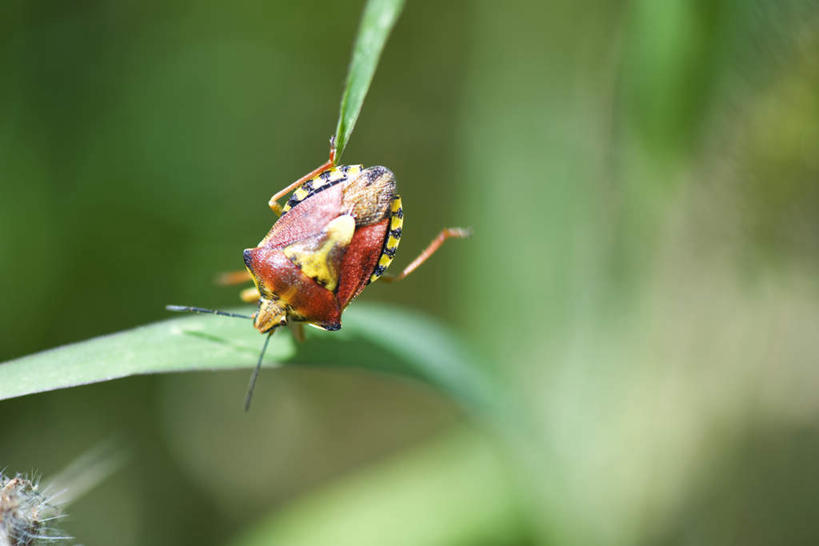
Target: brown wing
(367, 197)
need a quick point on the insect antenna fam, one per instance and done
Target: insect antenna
(255, 374)
(185, 308)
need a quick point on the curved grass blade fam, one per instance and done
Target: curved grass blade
(195, 342)
(376, 337)
(376, 23)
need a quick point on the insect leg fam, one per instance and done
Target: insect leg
(331, 162)
(250, 295)
(436, 243)
(297, 329)
(234, 277)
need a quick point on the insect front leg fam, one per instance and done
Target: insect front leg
(234, 277)
(297, 329)
(447, 233)
(331, 162)
(250, 295)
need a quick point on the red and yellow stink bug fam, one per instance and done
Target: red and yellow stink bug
(337, 233)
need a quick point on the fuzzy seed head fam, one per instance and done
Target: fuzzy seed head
(25, 513)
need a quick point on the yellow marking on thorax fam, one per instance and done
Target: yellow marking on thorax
(313, 255)
(253, 276)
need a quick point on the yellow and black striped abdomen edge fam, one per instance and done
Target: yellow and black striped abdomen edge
(327, 179)
(392, 239)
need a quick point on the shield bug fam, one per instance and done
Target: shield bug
(338, 232)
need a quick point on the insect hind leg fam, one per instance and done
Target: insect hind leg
(447, 233)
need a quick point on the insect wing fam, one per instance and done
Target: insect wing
(360, 260)
(305, 220)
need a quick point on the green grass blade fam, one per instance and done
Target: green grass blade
(376, 337)
(195, 342)
(376, 23)
(395, 340)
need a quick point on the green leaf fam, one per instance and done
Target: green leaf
(195, 342)
(377, 337)
(376, 23)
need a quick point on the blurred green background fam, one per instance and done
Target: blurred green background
(643, 182)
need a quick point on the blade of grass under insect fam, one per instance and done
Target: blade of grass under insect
(194, 342)
(376, 23)
(376, 337)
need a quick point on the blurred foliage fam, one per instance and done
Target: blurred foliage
(642, 180)
(436, 485)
